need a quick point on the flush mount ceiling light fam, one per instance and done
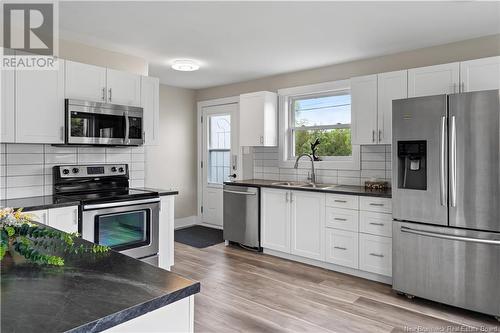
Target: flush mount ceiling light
(185, 65)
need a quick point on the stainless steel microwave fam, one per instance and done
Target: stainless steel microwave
(94, 123)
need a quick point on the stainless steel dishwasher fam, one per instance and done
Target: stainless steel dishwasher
(242, 215)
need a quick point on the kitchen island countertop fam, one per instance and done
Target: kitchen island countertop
(38, 203)
(90, 293)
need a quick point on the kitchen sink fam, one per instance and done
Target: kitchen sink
(305, 185)
(295, 184)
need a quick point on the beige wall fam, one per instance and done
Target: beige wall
(173, 162)
(100, 57)
(464, 50)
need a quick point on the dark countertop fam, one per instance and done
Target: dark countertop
(37, 203)
(161, 192)
(338, 189)
(91, 293)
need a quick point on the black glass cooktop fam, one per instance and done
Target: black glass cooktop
(110, 196)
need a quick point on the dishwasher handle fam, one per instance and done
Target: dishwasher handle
(240, 192)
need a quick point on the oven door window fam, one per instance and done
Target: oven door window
(95, 125)
(122, 231)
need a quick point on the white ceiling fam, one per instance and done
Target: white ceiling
(238, 41)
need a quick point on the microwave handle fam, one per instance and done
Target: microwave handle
(127, 128)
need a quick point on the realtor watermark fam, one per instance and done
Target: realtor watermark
(30, 35)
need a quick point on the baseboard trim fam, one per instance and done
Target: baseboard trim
(332, 267)
(208, 225)
(185, 222)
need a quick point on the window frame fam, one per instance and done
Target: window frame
(292, 128)
(286, 129)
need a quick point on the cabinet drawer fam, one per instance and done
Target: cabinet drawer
(340, 218)
(375, 223)
(342, 201)
(375, 254)
(382, 205)
(342, 247)
(40, 216)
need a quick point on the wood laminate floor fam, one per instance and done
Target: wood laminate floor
(243, 291)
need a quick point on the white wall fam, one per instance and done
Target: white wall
(172, 164)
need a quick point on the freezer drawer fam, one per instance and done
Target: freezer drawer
(447, 265)
(241, 215)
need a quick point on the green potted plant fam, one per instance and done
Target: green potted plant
(25, 240)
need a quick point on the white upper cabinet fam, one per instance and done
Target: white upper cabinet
(364, 109)
(123, 88)
(391, 86)
(39, 105)
(150, 102)
(480, 74)
(86, 82)
(259, 119)
(308, 224)
(434, 80)
(7, 111)
(275, 217)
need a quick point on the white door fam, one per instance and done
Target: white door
(480, 74)
(64, 219)
(150, 102)
(391, 86)
(86, 82)
(40, 105)
(218, 150)
(308, 224)
(123, 88)
(364, 109)
(433, 80)
(275, 218)
(7, 111)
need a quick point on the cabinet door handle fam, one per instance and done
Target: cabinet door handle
(379, 135)
(291, 196)
(286, 197)
(377, 255)
(110, 94)
(378, 224)
(62, 133)
(104, 94)
(373, 136)
(339, 219)
(76, 217)
(376, 204)
(340, 248)
(261, 140)
(342, 201)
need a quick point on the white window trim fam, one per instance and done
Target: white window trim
(341, 162)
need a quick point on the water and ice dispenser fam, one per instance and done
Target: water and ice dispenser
(412, 165)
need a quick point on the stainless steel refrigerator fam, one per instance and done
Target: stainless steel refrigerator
(446, 199)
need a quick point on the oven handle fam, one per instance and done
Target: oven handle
(121, 203)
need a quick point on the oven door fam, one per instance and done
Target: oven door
(128, 227)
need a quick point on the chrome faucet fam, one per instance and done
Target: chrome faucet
(313, 174)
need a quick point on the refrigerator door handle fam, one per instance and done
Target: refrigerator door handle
(450, 237)
(453, 163)
(442, 164)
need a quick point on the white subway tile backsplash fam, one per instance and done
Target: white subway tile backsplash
(91, 158)
(22, 181)
(24, 170)
(373, 174)
(380, 156)
(373, 165)
(16, 148)
(24, 158)
(20, 192)
(349, 181)
(61, 158)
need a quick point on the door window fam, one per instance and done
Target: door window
(219, 148)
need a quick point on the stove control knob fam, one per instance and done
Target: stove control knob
(75, 170)
(65, 171)
(121, 169)
(113, 169)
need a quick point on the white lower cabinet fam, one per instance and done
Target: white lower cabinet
(375, 254)
(308, 224)
(64, 219)
(275, 217)
(341, 247)
(345, 230)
